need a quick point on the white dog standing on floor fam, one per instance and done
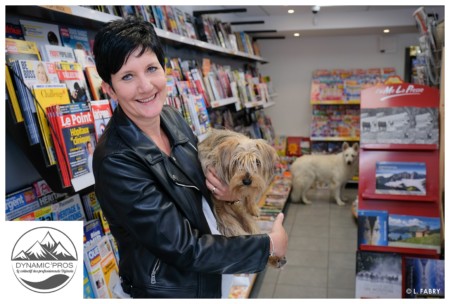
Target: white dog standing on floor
(333, 169)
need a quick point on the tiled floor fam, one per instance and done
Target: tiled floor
(321, 252)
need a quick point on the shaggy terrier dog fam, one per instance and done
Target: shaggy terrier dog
(247, 166)
(333, 169)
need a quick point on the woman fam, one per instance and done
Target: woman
(150, 184)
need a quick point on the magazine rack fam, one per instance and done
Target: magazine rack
(377, 103)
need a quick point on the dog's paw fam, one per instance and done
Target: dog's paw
(277, 262)
(307, 202)
(340, 203)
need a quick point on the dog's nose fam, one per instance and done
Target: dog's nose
(247, 181)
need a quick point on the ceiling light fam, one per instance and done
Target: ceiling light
(296, 34)
(386, 31)
(291, 11)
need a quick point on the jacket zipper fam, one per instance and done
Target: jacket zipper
(155, 269)
(187, 186)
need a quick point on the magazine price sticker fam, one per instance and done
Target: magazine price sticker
(42, 260)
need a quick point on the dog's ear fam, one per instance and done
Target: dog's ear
(269, 154)
(224, 151)
(345, 146)
(355, 146)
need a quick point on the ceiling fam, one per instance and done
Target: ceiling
(310, 20)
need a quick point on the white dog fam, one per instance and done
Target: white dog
(333, 169)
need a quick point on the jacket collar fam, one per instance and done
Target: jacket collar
(141, 143)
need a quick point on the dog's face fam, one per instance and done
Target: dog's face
(247, 165)
(350, 153)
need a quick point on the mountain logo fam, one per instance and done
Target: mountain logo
(44, 259)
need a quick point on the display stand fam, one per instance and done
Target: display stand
(399, 127)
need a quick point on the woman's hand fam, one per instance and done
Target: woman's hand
(279, 237)
(218, 188)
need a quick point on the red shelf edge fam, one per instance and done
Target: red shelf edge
(414, 198)
(403, 250)
(401, 147)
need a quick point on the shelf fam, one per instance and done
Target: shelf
(73, 13)
(336, 102)
(254, 104)
(400, 147)
(226, 101)
(388, 197)
(350, 138)
(403, 250)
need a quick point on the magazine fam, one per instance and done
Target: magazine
(57, 53)
(401, 178)
(72, 75)
(378, 275)
(69, 209)
(20, 202)
(424, 278)
(101, 110)
(76, 133)
(372, 227)
(41, 32)
(414, 231)
(400, 125)
(48, 95)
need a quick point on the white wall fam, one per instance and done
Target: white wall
(292, 61)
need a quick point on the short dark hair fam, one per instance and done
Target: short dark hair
(118, 39)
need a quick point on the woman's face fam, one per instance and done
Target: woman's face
(139, 87)
(41, 74)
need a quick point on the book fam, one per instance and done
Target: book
(414, 231)
(424, 278)
(48, 95)
(20, 203)
(95, 83)
(372, 227)
(70, 209)
(101, 110)
(72, 75)
(57, 53)
(378, 275)
(401, 178)
(40, 32)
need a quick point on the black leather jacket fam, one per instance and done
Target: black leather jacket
(153, 204)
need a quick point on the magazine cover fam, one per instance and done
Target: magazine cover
(16, 49)
(414, 231)
(20, 202)
(57, 53)
(70, 209)
(75, 38)
(95, 83)
(41, 32)
(101, 110)
(77, 131)
(48, 95)
(372, 227)
(401, 178)
(72, 75)
(424, 278)
(378, 275)
(400, 125)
